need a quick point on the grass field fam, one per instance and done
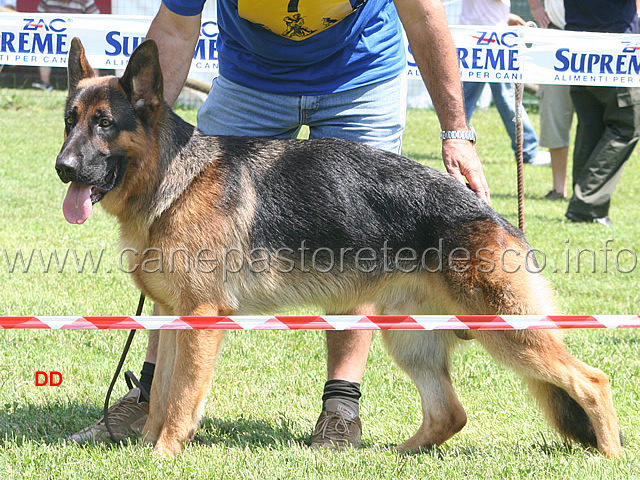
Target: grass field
(268, 384)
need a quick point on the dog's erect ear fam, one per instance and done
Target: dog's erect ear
(78, 67)
(142, 80)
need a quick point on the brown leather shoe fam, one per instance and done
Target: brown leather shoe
(336, 428)
(126, 417)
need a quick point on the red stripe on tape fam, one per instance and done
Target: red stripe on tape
(22, 322)
(400, 322)
(305, 323)
(125, 323)
(485, 322)
(203, 323)
(576, 321)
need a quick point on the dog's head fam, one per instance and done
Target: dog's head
(102, 116)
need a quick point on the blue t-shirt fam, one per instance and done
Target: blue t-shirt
(306, 47)
(609, 16)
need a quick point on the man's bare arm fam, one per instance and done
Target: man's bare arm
(432, 46)
(176, 36)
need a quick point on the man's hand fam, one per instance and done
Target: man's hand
(538, 12)
(432, 45)
(515, 20)
(462, 162)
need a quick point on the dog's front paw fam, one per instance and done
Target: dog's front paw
(403, 448)
(167, 448)
(150, 432)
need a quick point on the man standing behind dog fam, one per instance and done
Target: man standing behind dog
(608, 117)
(337, 67)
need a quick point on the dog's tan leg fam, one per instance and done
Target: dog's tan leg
(425, 358)
(160, 386)
(195, 356)
(576, 398)
(162, 376)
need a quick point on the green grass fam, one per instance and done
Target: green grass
(268, 384)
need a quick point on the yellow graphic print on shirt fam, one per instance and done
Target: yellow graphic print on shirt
(296, 19)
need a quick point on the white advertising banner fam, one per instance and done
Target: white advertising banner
(580, 58)
(44, 39)
(485, 54)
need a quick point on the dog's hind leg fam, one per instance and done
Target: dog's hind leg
(425, 358)
(576, 398)
(195, 355)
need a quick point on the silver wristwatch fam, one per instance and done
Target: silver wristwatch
(459, 135)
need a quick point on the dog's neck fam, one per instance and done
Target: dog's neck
(178, 164)
(179, 161)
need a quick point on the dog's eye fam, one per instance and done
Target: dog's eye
(69, 121)
(105, 122)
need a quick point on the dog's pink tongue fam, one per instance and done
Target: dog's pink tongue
(77, 204)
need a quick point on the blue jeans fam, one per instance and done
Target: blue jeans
(374, 115)
(504, 98)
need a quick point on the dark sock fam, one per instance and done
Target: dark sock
(344, 392)
(146, 375)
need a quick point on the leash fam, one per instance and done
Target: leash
(129, 377)
(520, 148)
(520, 156)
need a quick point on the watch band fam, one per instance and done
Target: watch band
(459, 135)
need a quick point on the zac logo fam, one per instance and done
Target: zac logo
(56, 25)
(506, 39)
(630, 47)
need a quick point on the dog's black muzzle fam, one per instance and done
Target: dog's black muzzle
(67, 167)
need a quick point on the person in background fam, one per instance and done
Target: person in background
(7, 6)
(341, 72)
(608, 117)
(60, 6)
(498, 13)
(556, 107)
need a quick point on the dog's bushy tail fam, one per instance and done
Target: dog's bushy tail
(564, 413)
(576, 398)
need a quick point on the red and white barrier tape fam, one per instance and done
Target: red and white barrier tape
(328, 322)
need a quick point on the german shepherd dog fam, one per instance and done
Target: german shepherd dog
(376, 228)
